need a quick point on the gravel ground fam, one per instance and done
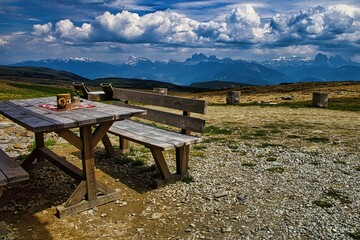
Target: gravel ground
(261, 173)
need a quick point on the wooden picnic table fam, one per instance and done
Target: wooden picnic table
(39, 116)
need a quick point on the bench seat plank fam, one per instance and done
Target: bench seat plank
(151, 136)
(3, 180)
(11, 170)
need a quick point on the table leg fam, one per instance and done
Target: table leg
(39, 141)
(85, 195)
(35, 154)
(88, 162)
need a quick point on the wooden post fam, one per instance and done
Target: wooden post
(320, 100)
(162, 91)
(233, 97)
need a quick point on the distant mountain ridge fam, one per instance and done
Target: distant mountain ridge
(202, 68)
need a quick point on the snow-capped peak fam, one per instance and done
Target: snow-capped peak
(135, 60)
(70, 59)
(289, 60)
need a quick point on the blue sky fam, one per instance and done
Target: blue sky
(113, 30)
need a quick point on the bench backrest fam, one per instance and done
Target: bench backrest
(186, 105)
(108, 90)
(79, 86)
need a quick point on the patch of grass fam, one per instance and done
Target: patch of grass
(199, 147)
(122, 159)
(248, 164)
(315, 163)
(234, 147)
(323, 203)
(260, 133)
(144, 150)
(40, 88)
(187, 179)
(293, 136)
(139, 161)
(355, 235)
(210, 130)
(339, 162)
(48, 142)
(276, 169)
(197, 153)
(21, 157)
(265, 145)
(338, 195)
(271, 159)
(342, 104)
(210, 140)
(318, 139)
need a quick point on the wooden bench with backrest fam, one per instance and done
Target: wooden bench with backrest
(10, 171)
(108, 90)
(90, 95)
(158, 139)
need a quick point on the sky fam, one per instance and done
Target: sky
(113, 30)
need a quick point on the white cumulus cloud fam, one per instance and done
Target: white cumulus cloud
(242, 27)
(39, 30)
(66, 29)
(3, 42)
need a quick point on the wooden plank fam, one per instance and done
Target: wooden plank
(156, 134)
(139, 139)
(118, 113)
(108, 146)
(172, 119)
(61, 163)
(100, 132)
(39, 141)
(78, 116)
(182, 159)
(108, 89)
(32, 122)
(184, 104)
(87, 156)
(161, 163)
(71, 138)
(77, 195)
(30, 159)
(79, 86)
(63, 211)
(3, 179)
(12, 171)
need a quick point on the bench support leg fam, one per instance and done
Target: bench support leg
(182, 160)
(124, 146)
(108, 146)
(161, 163)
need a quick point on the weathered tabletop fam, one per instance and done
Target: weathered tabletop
(28, 114)
(32, 115)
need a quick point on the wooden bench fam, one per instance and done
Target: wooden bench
(90, 95)
(10, 171)
(108, 90)
(157, 139)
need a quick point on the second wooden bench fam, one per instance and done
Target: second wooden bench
(157, 139)
(10, 171)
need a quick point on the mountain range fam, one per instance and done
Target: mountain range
(201, 69)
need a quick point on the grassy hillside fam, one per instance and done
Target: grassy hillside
(10, 89)
(143, 84)
(37, 73)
